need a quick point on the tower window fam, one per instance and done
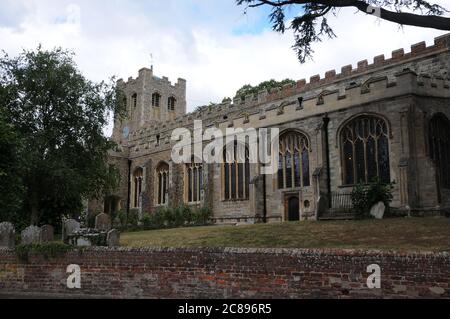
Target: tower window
(134, 100)
(156, 99)
(171, 103)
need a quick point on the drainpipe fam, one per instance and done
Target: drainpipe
(129, 188)
(326, 121)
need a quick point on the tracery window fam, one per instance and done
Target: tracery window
(365, 150)
(156, 99)
(293, 165)
(171, 102)
(236, 173)
(162, 178)
(194, 182)
(439, 140)
(138, 178)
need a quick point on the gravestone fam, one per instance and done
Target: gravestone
(48, 234)
(70, 226)
(7, 235)
(31, 235)
(378, 210)
(103, 222)
(113, 238)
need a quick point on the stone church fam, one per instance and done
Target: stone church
(387, 119)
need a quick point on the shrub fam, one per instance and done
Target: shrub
(167, 217)
(365, 196)
(133, 218)
(202, 216)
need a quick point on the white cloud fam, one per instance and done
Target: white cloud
(191, 39)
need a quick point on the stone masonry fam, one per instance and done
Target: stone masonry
(406, 91)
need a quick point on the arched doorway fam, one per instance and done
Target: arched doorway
(292, 208)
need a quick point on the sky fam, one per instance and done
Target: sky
(210, 43)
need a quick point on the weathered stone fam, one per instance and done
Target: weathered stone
(345, 98)
(83, 242)
(437, 290)
(70, 226)
(113, 238)
(377, 211)
(31, 235)
(7, 235)
(103, 222)
(48, 233)
(322, 206)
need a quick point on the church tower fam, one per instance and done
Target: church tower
(149, 99)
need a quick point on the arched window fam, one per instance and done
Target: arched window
(193, 182)
(162, 178)
(365, 150)
(138, 178)
(439, 140)
(171, 103)
(156, 99)
(293, 165)
(134, 100)
(236, 172)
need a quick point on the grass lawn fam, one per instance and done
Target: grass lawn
(402, 234)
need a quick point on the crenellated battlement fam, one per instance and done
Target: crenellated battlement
(405, 82)
(145, 74)
(418, 50)
(399, 75)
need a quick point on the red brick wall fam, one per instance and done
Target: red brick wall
(229, 273)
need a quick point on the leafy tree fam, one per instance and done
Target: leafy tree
(266, 85)
(11, 187)
(59, 116)
(312, 25)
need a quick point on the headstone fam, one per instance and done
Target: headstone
(103, 222)
(113, 238)
(7, 235)
(70, 226)
(31, 235)
(48, 234)
(378, 210)
(83, 242)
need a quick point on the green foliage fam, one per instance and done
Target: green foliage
(183, 216)
(12, 189)
(55, 118)
(311, 25)
(48, 251)
(267, 85)
(133, 218)
(365, 196)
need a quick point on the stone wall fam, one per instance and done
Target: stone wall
(406, 90)
(229, 273)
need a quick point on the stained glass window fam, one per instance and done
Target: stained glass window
(365, 150)
(439, 140)
(293, 166)
(162, 174)
(236, 175)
